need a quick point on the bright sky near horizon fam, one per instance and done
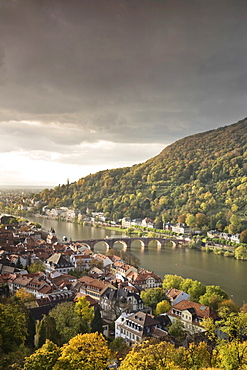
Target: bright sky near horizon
(97, 84)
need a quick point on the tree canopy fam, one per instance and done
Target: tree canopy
(85, 352)
(13, 327)
(67, 322)
(152, 296)
(44, 358)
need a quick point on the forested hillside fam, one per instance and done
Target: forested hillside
(203, 174)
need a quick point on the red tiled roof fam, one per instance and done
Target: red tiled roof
(200, 310)
(173, 293)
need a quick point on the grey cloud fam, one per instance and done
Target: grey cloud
(119, 70)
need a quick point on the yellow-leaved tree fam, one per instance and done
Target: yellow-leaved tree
(24, 296)
(85, 352)
(162, 307)
(146, 356)
(44, 358)
(164, 356)
(84, 311)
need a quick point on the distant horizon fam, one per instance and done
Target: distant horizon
(44, 186)
(26, 186)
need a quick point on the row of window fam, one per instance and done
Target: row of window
(129, 335)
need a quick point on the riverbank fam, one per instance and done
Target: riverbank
(201, 243)
(209, 268)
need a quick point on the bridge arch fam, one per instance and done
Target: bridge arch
(157, 243)
(100, 242)
(122, 242)
(139, 240)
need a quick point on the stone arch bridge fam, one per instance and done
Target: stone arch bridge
(127, 242)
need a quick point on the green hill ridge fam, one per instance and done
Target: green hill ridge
(203, 174)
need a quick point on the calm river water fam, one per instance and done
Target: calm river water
(210, 269)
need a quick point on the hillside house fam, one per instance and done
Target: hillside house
(115, 301)
(126, 222)
(135, 327)
(92, 287)
(59, 263)
(191, 314)
(147, 222)
(103, 258)
(144, 279)
(81, 261)
(36, 284)
(122, 268)
(181, 228)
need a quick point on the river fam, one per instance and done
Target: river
(210, 269)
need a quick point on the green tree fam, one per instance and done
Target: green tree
(186, 285)
(13, 327)
(162, 307)
(213, 296)
(19, 264)
(152, 296)
(191, 220)
(35, 267)
(14, 359)
(243, 237)
(45, 329)
(97, 322)
(67, 322)
(43, 358)
(233, 325)
(196, 290)
(240, 253)
(119, 347)
(177, 330)
(172, 281)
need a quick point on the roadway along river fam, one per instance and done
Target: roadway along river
(210, 269)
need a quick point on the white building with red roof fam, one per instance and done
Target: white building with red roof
(137, 326)
(191, 314)
(144, 279)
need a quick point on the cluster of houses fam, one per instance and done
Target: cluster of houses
(146, 222)
(178, 228)
(220, 235)
(108, 283)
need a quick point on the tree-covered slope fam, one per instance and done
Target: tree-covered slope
(202, 174)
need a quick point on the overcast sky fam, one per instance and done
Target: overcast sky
(87, 85)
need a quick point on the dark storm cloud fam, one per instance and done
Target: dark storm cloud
(128, 71)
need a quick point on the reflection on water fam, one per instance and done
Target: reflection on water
(210, 269)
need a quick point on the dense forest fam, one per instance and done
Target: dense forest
(203, 175)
